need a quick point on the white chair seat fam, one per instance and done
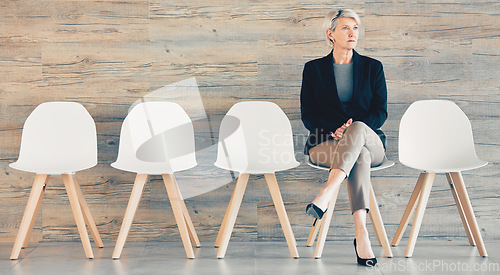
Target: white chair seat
(260, 168)
(151, 168)
(255, 137)
(455, 165)
(157, 138)
(50, 168)
(385, 164)
(59, 138)
(435, 136)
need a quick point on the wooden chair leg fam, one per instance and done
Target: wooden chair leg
(409, 208)
(191, 230)
(375, 228)
(469, 213)
(460, 210)
(326, 224)
(373, 203)
(135, 197)
(378, 225)
(419, 213)
(77, 212)
(87, 215)
(223, 225)
(232, 211)
(29, 212)
(35, 215)
(176, 203)
(272, 183)
(313, 233)
(226, 218)
(187, 217)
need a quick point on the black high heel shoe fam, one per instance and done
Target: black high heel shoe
(314, 211)
(365, 262)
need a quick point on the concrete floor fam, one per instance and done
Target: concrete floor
(431, 256)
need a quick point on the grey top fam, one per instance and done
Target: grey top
(344, 81)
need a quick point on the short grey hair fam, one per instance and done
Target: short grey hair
(332, 18)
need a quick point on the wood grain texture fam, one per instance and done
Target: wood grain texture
(69, 21)
(109, 54)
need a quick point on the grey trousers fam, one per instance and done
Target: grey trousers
(359, 149)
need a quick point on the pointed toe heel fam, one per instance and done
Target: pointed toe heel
(314, 211)
(364, 262)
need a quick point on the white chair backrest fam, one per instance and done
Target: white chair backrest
(58, 138)
(255, 137)
(435, 135)
(156, 138)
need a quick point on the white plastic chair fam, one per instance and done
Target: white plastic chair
(435, 136)
(376, 218)
(255, 137)
(157, 138)
(59, 138)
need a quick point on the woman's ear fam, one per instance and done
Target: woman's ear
(329, 34)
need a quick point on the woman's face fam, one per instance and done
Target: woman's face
(345, 35)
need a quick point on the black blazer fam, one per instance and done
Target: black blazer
(322, 111)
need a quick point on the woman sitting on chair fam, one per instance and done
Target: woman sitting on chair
(343, 104)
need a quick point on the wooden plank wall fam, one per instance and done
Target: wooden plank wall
(108, 54)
